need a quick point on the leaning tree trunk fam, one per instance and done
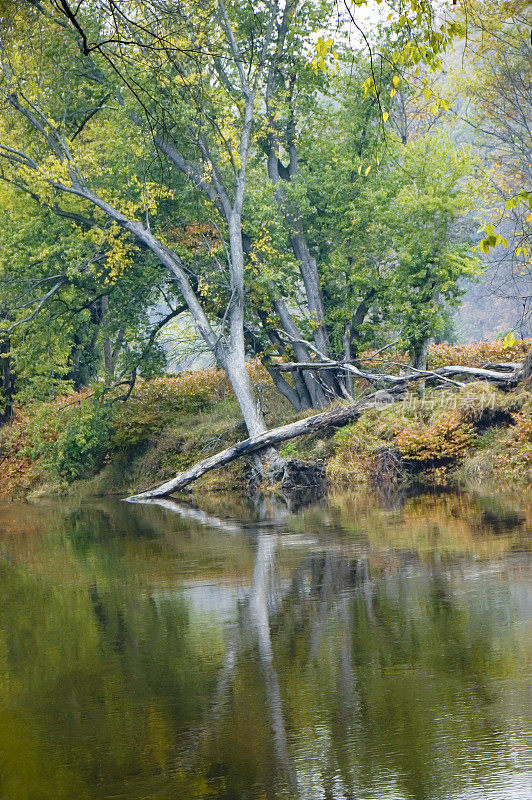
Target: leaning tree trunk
(282, 386)
(335, 418)
(312, 384)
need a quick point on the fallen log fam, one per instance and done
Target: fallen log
(396, 385)
(327, 419)
(505, 375)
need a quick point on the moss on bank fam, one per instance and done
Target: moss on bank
(473, 437)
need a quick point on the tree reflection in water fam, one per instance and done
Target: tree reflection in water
(347, 652)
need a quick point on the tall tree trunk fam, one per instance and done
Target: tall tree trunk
(108, 357)
(107, 348)
(234, 358)
(346, 340)
(7, 382)
(298, 395)
(282, 386)
(309, 273)
(235, 367)
(314, 388)
(418, 354)
(230, 354)
(292, 217)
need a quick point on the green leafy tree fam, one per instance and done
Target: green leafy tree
(66, 318)
(383, 221)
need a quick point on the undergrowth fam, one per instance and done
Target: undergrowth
(472, 436)
(446, 437)
(163, 427)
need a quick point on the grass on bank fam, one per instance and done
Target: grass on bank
(473, 436)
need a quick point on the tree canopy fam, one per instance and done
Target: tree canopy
(251, 169)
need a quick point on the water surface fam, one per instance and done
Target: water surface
(347, 651)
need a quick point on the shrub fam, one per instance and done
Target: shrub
(523, 427)
(70, 441)
(356, 444)
(476, 355)
(444, 441)
(422, 432)
(512, 459)
(156, 404)
(484, 406)
(19, 473)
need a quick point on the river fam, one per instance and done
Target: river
(347, 650)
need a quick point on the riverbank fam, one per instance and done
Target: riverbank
(471, 437)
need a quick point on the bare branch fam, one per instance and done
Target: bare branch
(40, 304)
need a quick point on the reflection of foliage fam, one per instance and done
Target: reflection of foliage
(387, 659)
(145, 676)
(385, 676)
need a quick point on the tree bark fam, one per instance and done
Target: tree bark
(7, 382)
(298, 395)
(107, 349)
(524, 371)
(346, 341)
(315, 390)
(234, 364)
(282, 385)
(230, 355)
(419, 354)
